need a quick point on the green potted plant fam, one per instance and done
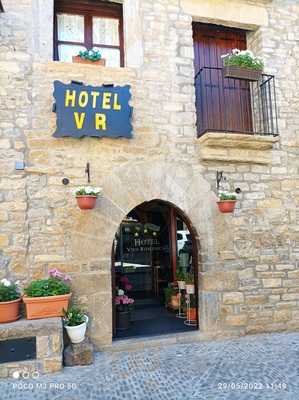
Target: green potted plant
(189, 283)
(242, 65)
(75, 322)
(226, 202)
(10, 300)
(124, 306)
(92, 57)
(46, 298)
(87, 196)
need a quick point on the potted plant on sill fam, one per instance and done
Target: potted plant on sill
(91, 57)
(242, 65)
(75, 323)
(45, 298)
(189, 283)
(87, 196)
(10, 300)
(226, 202)
(124, 305)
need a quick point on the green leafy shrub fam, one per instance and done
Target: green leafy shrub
(91, 55)
(189, 278)
(180, 275)
(73, 317)
(47, 287)
(8, 291)
(227, 196)
(244, 58)
(87, 191)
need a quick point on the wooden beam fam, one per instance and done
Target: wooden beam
(173, 241)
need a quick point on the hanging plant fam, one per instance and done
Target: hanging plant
(226, 202)
(242, 64)
(87, 196)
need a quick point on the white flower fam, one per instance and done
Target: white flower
(6, 282)
(224, 55)
(121, 292)
(17, 283)
(236, 51)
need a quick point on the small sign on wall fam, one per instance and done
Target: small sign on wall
(96, 111)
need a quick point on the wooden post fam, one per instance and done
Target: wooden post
(173, 241)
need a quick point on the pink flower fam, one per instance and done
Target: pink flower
(128, 286)
(123, 300)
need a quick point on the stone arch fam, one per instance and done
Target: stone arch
(124, 188)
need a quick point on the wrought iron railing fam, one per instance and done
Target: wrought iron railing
(235, 105)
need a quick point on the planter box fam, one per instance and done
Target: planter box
(242, 73)
(46, 307)
(10, 310)
(79, 60)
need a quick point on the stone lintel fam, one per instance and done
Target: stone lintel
(233, 13)
(236, 147)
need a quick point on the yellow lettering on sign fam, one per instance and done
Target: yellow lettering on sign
(94, 95)
(100, 121)
(106, 101)
(83, 99)
(116, 106)
(70, 97)
(79, 119)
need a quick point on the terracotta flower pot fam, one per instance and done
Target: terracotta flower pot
(79, 60)
(46, 307)
(226, 206)
(86, 202)
(10, 310)
(191, 314)
(174, 302)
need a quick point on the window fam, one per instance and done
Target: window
(87, 24)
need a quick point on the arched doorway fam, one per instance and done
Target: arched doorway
(155, 248)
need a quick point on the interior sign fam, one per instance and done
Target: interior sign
(92, 111)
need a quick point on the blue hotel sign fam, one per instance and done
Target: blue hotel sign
(92, 111)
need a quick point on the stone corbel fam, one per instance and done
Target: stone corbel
(236, 147)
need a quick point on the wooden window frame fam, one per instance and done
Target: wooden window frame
(89, 9)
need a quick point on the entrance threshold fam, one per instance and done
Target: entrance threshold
(140, 343)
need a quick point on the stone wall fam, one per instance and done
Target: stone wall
(249, 279)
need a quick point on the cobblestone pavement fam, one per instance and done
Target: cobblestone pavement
(253, 367)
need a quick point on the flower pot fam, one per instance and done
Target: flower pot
(181, 285)
(79, 60)
(226, 206)
(191, 314)
(10, 310)
(77, 333)
(248, 74)
(190, 289)
(123, 319)
(86, 202)
(46, 307)
(174, 302)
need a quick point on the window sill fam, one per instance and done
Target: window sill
(236, 147)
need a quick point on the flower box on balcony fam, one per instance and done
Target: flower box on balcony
(248, 74)
(78, 59)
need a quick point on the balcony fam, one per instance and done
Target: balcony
(235, 114)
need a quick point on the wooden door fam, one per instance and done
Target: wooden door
(223, 104)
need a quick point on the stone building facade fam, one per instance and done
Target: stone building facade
(249, 271)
